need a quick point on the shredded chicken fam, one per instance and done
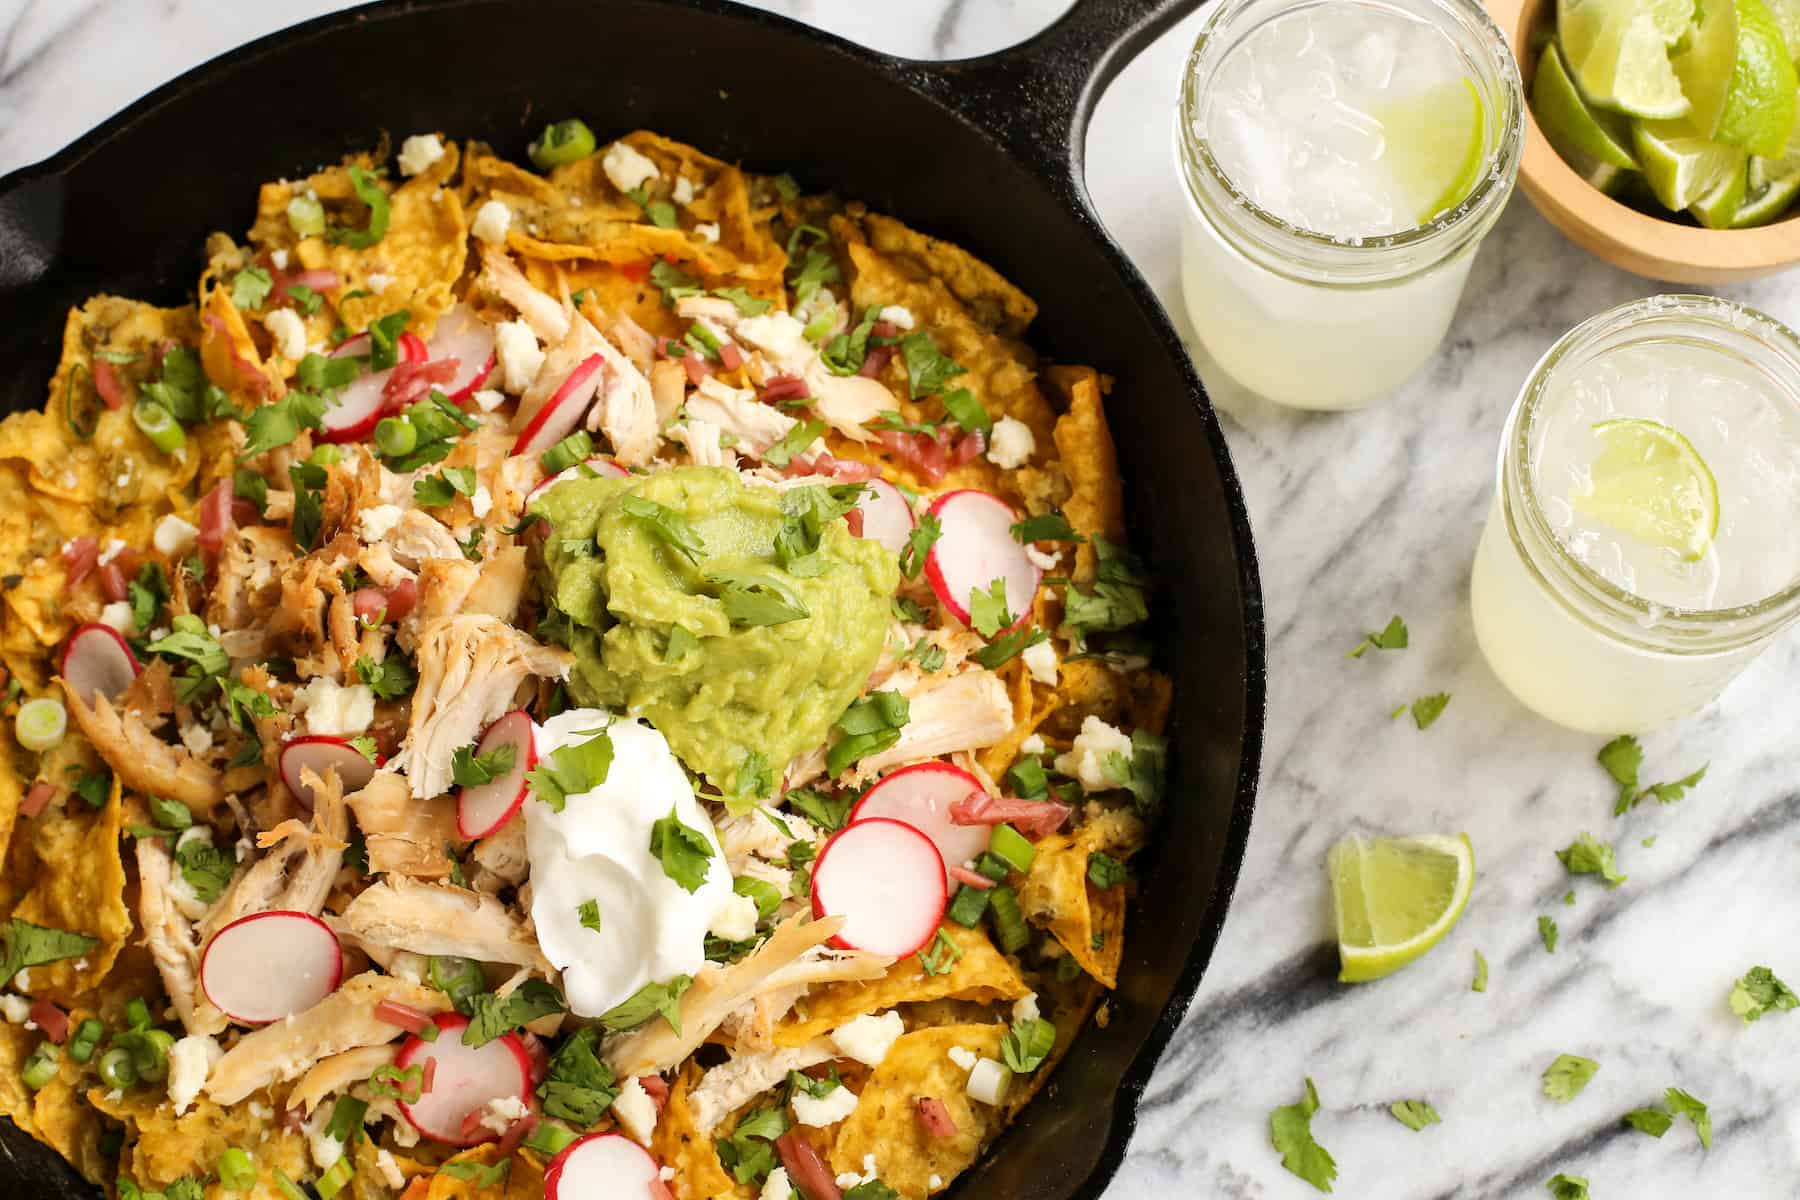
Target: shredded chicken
(547, 316)
(752, 1025)
(668, 390)
(755, 833)
(418, 536)
(448, 586)
(716, 991)
(702, 440)
(170, 939)
(250, 563)
(961, 712)
(734, 1082)
(404, 836)
(500, 859)
(470, 666)
(144, 762)
(756, 426)
(338, 1074)
(848, 402)
(429, 919)
(626, 410)
(298, 865)
(342, 1021)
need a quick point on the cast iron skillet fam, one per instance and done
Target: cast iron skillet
(987, 153)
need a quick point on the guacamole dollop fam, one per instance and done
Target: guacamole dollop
(681, 608)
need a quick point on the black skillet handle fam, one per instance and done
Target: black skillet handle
(1036, 98)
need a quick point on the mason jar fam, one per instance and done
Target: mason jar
(1551, 616)
(1311, 317)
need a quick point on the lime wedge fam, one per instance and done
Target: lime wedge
(1648, 481)
(1396, 898)
(1680, 167)
(1436, 144)
(1704, 65)
(1625, 66)
(1718, 209)
(1579, 22)
(1770, 188)
(1760, 107)
(1787, 16)
(1572, 127)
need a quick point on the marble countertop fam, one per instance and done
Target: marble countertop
(1357, 517)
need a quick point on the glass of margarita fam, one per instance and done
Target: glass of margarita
(1644, 542)
(1343, 160)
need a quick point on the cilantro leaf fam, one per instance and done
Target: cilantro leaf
(1669, 793)
(827, 812)
(477, 1174)
(389, 679)
(1427, 709)
(1008, 646)
(318, 373)
(1653, 1121)
(679, 643)
(29, 945)
(435, 491)
(793, 442)
(588, 912)
(919, 543)
(988, 613)
(748, 1151)
(1759, 992)
(1564, 1078)
(1394, 637)
(471, 769)
(205, 867)
(580, 1087)
(844, 354)
(682, 850)
(747, 305)
(571, 770)
(1414, 1114)
(870, 725)
(872, 1189)
(1117, 600)
(1027, 1044)
(491, 1015)
(653, 999)
(1290, 1129)
(754, 781)
(368, 189)
(668, 526)
(752, 598)
(673, 282)
(1481, 973)
(1568, 1187)
(1547, 931)
(1104, 871)
(1045, 527)
(1623, 759)
(279, 423)
(250, 287)
(1585, 856)
(928, 369)
(1685, 1104)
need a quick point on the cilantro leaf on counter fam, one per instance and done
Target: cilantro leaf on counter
(1481, 973)
(1585, 856)
(1290, 1129)
(1564, 1078)
(1685, 1104)
(1394, 637)
(653, 999)
(1547, 931)
(682, 850)
(1414, 1114)
(1568, 1187)
(1623, 758)
(1427, 709)
(1759, 992)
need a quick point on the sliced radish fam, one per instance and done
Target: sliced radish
(886, 879)
(599, 465)
(482, 809)
(887, 517)
(921, 796)
(604, 1164)
(464, 1080)
(462, 335)
(412, 348)
(316, 753)
(976, 548)
(561, 413)
(97, 662)
(360, 404)
(270, 965)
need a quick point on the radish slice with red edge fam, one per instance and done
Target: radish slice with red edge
(464, 1081)
(887, 517)
(921, 796)
(97, 662)
(484, 808)
(886, 880)
(359, 405)
(315, 753)
(604, 1164)
(462, 335)
(561, 413)
(599, 465)
(976, 548)
(270, 965)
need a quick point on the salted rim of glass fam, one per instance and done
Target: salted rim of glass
(1508, 146)
(1687, 306)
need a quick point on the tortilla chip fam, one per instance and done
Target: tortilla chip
(1096, 503)
(81, 888)
(523, 1180)
(161, 1147)
(981, 974)
(886, 1122)
(677, 1142)
(1056, 894)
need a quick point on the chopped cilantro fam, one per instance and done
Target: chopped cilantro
(682, 850)
(653, 999)
(1427, 709)
(752, 598)
(1759, 992)
(1414, 1114)
(250, 287)
(870, 725)
(1290, 1129)
(1564, 1078)
(1392, 638)
(580, 1087)
(1045, 527)
(918, 544)
(1585, 856)
(1547, 931)
(29, 945)
(279, 423)
(1568, 1187)
(491, 1015)
(1027, 1044)
(1104, 871)
(435, 491)
(928, 369)
(368, 189)
(571, 770)
(1622, 758)
(389, 679)
(471, 769)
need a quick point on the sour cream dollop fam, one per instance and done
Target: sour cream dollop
(598, 848)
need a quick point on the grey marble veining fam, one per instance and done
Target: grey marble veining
(1357, 517)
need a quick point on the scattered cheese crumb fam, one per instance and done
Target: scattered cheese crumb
(898, 314)
(1040, 660)
(197, 738)
(326, 1150)
(1043, 560)
(627, 169)
(492, 220)
(684, 190)
(935, 1182)
(519, 355)
(777, 1186)
(499, 1114)
(114, 547)
(964, 1057)
(635, 1111)
(1087, 757)
(836, 1104)
(868, 1038)
(1025, 1008)
(390, 1170)
(1011, 444)
(380, 281)
(482, 502)
(709, 232)
(1033, 745)
(280, 259)
(335, 710)
(173, 535)
(488, 399)
(418, 152)
(119, 616)
(736, 919)
(666, 1174)
(374, 523)
(289, 332)
(190, 1061)
(16, 1009)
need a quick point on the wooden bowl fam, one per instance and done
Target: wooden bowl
(1623, 236)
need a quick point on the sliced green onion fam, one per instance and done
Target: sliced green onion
(563, 143)
(1009, 919)
(968, 906)
(566, 453)
(41, 1067)
(40, 724)
(116, 1069)
(137, 1013)
(80, 428)
(1011, 847)
(395, 436)
(332, 1181)
(548, 1138)
(288, 1187)
(428, 1032)
(457, 978)
(149, 1050)
(306, 215)
(237, 1171)
(325, 455)
(86, 1040)
(159, 425)
(987, 863)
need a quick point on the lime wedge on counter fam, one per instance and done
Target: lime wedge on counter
(1649, 481)
(1396, 898)
(1680, 167)
(1572, 127)
(1704, 65)
(1760, 106)
(1436, 144)
(1623, 62)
